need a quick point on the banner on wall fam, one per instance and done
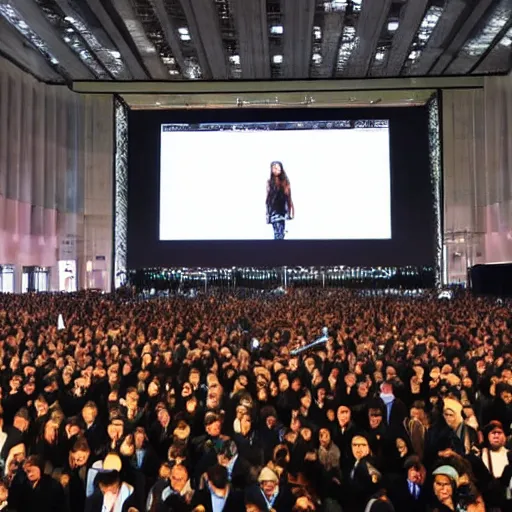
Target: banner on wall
(67, 247)
(67, 276)
(100, 263)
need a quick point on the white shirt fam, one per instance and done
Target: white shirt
(499, 460)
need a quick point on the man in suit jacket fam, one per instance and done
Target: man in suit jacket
(239, 470)
(409, 493)
(218, 496)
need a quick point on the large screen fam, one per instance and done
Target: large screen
(348, 187)
(318, 180)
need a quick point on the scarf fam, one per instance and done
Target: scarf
(169, 491)
(270, 501)
(329, 457)
(115, 502)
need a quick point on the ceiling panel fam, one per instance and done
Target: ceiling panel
(189, 40)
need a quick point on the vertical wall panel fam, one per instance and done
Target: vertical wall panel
(498, 168)
(464, 143)
(4, 144)
(478, 175)
(38, 162)
(27, 141)
(56, 152)
(51, 149)
(4, 130)
(14, 137)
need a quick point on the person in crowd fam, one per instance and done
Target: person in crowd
(167, 405)
(173, 494)
(218, 495)
(407, 490)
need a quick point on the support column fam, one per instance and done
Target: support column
(18, 273)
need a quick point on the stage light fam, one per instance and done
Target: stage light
(393, 26)
(276, 29)
(277, 59)
(445, 295)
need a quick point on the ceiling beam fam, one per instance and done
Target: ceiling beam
(333, 99)
(369, 27)
(103, 42)
(264, 86)
(252, 30)
(331, 38)
(298, 34)
(434, 48)
(170, 31)
(496, 49)
(16, 49)
(410, 20)
(113, 34)
(461, 37)
(204, 28)
(32, 15)
(498, 58)
(145, 47)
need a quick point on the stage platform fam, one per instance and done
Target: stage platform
(173, 279)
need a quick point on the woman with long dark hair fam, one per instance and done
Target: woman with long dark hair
(279, 200)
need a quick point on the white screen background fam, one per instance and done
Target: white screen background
(213, 184)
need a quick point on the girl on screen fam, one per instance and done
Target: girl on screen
(279, 200)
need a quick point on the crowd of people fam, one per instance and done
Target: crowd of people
(203, 404)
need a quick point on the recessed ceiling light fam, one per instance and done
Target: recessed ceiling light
(185, 37)
(183, 31)
(276, 29)
(277, 59)
(393, 26)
